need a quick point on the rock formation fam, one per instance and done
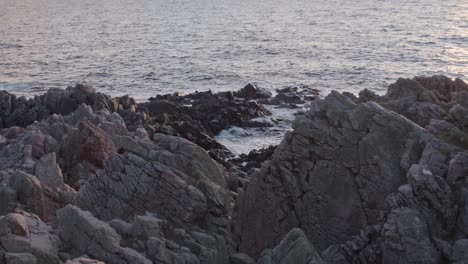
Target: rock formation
(90, 179)
(366, 181)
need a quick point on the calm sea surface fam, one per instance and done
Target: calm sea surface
(145, 47)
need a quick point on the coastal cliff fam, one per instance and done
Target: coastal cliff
(87, 178)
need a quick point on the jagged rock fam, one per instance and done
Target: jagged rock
(88, 235)
(171, 174)
(20, 258)
(407, 239)
(87, 148)
(442, 86)
(23, 112)
(20, 190)
(459, 115)
(362, 181)
(460, 252)
(415, 102)
(17, 155)
(286, 98)
(199, 116)
(368, 95)
(170, 177)
(448, 132)
(27, 239)
(91, 144)
(462, 220)
(48, 172)
(145, 226)
(433, 198)
(251, 91)
(294, 248)
(160, 252)
(254, 159)
(240, 258)
(332, 174)
(83, 260)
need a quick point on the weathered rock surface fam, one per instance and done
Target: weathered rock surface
(293, 248)
(88, 235)
(89, 149)
(364, 182)
(85, 178)
(22, 112)
(26, 239)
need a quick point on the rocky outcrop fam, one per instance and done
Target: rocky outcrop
(251, 91)
(88, 235)
(118, 175)
(361, 179)
(357, 174)
(293, 248)
(24, 238)
(22, 112)
(200, 116)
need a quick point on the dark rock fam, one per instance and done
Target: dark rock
(239, 258)
(374, 179)
(294, 248)
(368, 95)
(89, 235)
(287, 98)
(251, 91)
(254, 159)
(25, 237)
(442, 86)
(339, 138)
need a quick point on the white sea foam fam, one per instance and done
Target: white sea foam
(243, 140)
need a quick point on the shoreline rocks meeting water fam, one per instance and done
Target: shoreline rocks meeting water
(86, 178)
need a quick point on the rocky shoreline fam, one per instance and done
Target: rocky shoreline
(87, 178)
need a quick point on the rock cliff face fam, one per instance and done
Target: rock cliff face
(365, 180)
(85, 178)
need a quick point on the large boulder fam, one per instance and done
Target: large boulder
(23, 112)
(26, 238)
(332, 173)
(407, 239)
(19, 190)
(88, 235)
(187, 181)
(294, 248)
(251, 91)
(173, 179)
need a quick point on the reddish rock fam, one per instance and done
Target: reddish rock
(89, 143)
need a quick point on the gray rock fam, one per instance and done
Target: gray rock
(21, 190)
(241, 258)
(331, 175)
(15, 224)
(407, 239)
(88, 235)
(20, 258)
(141, 133)
(442, 86)
(145, 226)
(26, 233)
(448, 132)
(183, 174)
(251, 91)
(159, 252)
(295, 248)
(48, 172)
(84, 260)
(460, 251)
